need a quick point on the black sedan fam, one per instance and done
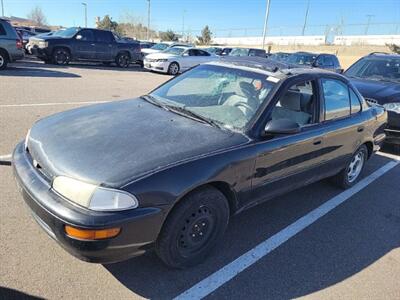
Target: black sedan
(169, 169)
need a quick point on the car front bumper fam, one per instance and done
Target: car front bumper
(156, 66)
(139, 227)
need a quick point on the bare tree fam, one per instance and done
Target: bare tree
(37, 15)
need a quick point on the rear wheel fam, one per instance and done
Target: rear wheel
(3, 59)
(193, 228)
(61, 56)
(173, 68)
(123, 60)
(350, 175)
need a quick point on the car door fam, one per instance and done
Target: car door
(188, 59)
(342, 120)
(287, 161)
(104, 45)
(84, 45)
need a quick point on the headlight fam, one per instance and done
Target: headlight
(43, 44)
(162, 60)
(92, 196)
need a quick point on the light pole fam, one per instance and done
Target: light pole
(2, 8)
(266, 22)
(148, 20)
(305, 18)
(85, 5)
(183, 24)
(368, 23)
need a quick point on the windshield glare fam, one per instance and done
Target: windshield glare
(160, 46)
(376, 69)
(300, 59)
(228, 96)
(239, 52)
(174, 50)
(70, 32)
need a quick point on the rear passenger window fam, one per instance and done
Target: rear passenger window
(337, 100)
(2, 30)
(103, 36)
(355, 102)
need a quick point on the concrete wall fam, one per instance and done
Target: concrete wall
(276, 40)
(379, 40)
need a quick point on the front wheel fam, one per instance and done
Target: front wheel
(193, 228)
(3, 60)
(61, 56)
(350, 175)
(123, 60)
(173, 68)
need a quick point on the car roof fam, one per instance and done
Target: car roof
(383, 55)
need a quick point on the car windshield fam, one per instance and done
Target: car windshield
(174, 50)
(301, 59)
(239, 52)
(160, 46)
(225, 95)
(381, 69)
(211, 50)
(70, 32)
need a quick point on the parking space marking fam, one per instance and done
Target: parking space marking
(5, 157)
(52, 103)
(388, 155)
(231, 270)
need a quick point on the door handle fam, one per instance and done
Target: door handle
(317, 142)
(92, 44)
(360, 129)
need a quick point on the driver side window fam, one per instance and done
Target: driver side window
(297, 104)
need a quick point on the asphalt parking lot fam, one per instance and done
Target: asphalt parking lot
(317, 242)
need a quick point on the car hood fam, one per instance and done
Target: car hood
(149, 51)
(160, 55)
(114, 143)
(382, 91)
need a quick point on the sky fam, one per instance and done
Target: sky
(225, 17)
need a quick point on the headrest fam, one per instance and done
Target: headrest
(247, 89)
(291, 100)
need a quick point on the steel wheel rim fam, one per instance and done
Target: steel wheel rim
(174, 69)
(355, 166)
(1, 60)
(196, 231)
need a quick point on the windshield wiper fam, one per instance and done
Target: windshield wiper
(154, 101)
(183, 111)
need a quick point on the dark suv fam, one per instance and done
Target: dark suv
(321, 61)
(11, 48)
(377, 77)
(86, 44)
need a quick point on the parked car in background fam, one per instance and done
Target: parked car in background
(168, 170)
(146, 44)
(25, 35)
(218, 50)
(247, 52)
(322, 61)
(11, 47)
(32, 40)
(163, 46)
(279, 56)
(377, 77)
(177, 59)
(87, 44)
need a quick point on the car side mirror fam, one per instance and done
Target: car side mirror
(281, 126)
(78, 37)
(341, 71)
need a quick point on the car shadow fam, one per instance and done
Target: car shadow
(17, 71)
(11, 294)
(307, 267)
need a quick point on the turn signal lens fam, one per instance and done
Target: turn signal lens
(88, 234)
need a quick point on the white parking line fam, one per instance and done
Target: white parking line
(226, 273)
(5, 157)
(52, 103)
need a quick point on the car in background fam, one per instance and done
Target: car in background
(11, 47)
(87, 44)
(279, 56)
(177, 59)
(32, 44)
(170, 169)
(25, 35)
(321, 61)
(146, 44)
(377, 77)
(248, 52)
(163, 46)
(218, 50)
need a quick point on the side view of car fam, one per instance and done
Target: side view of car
(25, 36)
(177, 59)
(159, 47)
(11, 47)
(321, 61)
(248, 52)
(279, 56)
(86, 44)
(218, 50)
(377, 77)
(228, 135)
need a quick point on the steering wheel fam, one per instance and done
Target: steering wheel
(245, 105)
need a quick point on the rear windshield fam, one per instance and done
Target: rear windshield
(376, 68)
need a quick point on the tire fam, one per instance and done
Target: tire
(193, 228)
(350, 175)
(61, 56)
(173, 68)
(123, 60)
(3, 59)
